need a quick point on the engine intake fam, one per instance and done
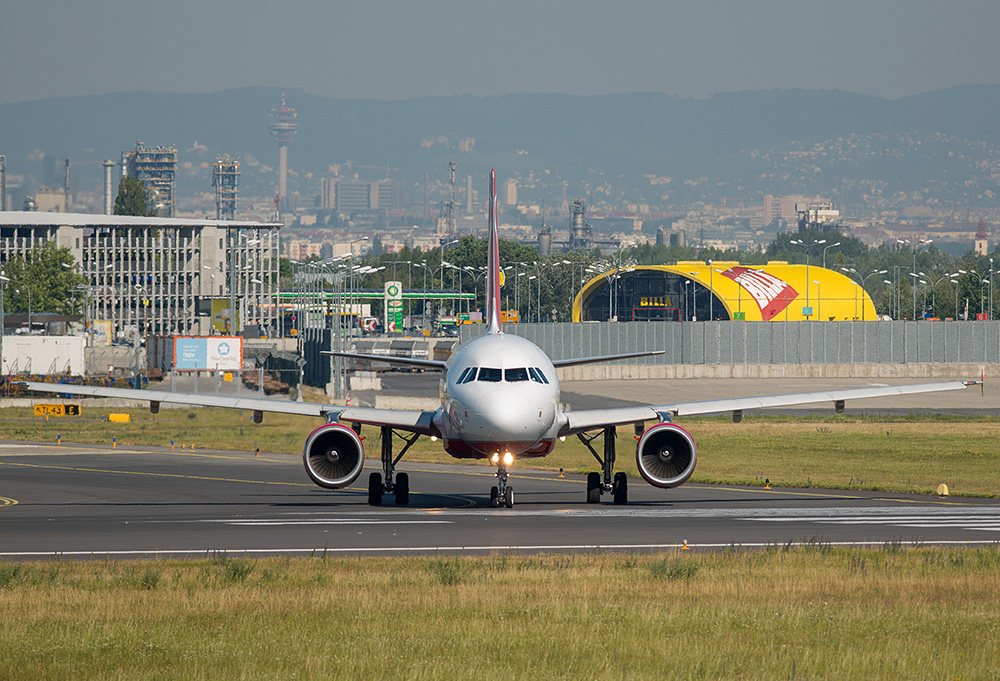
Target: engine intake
(666, 455)
(333, 456)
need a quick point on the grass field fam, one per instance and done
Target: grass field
(902, 454)
(815, 612)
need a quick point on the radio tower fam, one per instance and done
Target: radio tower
(283, 127)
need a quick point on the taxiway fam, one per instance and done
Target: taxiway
(79, 501)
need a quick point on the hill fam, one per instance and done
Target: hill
(937, 148)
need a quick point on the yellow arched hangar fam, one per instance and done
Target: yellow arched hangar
(700, 291)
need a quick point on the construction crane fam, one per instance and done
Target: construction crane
(386, 168)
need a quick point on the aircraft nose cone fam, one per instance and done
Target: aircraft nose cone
(511, 417)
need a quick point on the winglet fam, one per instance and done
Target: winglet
(493, 264)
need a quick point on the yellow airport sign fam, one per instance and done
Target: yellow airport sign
(57, 410)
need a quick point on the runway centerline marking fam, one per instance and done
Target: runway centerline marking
(268, 522)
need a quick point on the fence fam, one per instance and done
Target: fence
(728, 342)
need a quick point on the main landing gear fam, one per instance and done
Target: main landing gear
(502, 493)
(615, 483)
(398, 484)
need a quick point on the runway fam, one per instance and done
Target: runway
(79, 502)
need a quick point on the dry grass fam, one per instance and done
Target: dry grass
(815, 612)
(902, 454)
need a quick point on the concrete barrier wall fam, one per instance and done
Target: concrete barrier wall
(596, 372)
(779, 343)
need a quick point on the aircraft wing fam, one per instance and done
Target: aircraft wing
(412, 421)
(602, 358)
(192, 399)
(591, 419)
(389, 359)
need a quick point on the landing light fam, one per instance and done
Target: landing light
(508, 458)
(562, 438)
(495, 458)
(434, 438)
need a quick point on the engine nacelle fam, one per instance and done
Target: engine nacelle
(333, 456)
(666, 455)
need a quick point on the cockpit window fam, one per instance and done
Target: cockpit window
(537, 376)
(490, 375)
(512, 375)
(461, 379)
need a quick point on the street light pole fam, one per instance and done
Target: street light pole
(3, 280)
(824, 252)
(711, 292)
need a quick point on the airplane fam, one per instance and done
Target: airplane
(499, 401)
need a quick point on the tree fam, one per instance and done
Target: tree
(48, 273)
(131, 198)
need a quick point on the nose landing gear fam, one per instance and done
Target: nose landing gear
(502, 493)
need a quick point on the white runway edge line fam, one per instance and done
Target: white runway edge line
(264, 522)
(199, 553)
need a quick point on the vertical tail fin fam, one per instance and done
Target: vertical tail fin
(493, 274)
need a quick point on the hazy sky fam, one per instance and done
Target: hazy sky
(408, 48)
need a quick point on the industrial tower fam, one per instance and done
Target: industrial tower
(157, 168)
(225, 179)
(283, 127)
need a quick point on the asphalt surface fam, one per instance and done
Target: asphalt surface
(79, 502)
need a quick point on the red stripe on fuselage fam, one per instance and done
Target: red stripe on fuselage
(460, 449)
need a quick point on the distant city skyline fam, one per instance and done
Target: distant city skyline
(400, 50)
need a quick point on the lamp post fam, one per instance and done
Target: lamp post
(3, 280)
(423, 302)
(476, 276)
(815, 242)
(864, 282)
(947, 277)
(915, 245)
(990, 316)
(956, 297)
(517, 284)
(982, 282)
(27, 290)
(694, 294)
(819, 300)
(824, 252)
(711, 292)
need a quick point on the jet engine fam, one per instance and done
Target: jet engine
(666, 455)
(333, 456)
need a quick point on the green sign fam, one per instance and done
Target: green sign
(393, 307)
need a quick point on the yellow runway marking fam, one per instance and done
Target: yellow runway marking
(830, 495)
(155, 475)
(7, 501)
(466, 500)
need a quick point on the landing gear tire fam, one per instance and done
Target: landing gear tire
(508, 497)
(494, 497)
(620, 489)
(402, 489)
(593, 488)
(375, 489)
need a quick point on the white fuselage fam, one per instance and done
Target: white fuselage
(499, 394)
